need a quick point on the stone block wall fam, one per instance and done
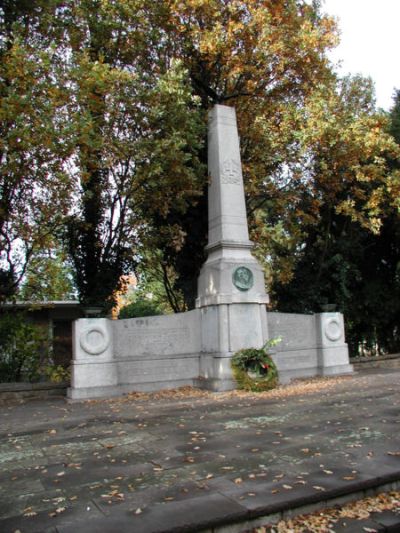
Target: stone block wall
(112, 357)
(311, 345)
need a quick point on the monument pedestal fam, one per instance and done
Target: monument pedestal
(231, 287)
(227, 328)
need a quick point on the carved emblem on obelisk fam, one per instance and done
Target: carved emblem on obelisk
(230, 173)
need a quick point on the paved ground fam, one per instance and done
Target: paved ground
(182, 463)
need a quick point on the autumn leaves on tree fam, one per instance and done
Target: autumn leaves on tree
(103, 109)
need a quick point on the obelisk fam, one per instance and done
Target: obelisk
(231, 287)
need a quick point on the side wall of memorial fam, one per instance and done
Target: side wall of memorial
(310, 345)
(112, 357)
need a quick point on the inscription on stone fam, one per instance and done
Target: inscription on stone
(137, 338)
(296, 331)
(230, 172)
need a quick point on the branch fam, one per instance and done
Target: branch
(168, 289)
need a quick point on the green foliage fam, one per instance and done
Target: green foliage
(339, 241)
(34, 190)
(254, 370)
(57, 374)
(154, 283)
(21, 349)
(140, 308)
(49, 277)
(394, 127)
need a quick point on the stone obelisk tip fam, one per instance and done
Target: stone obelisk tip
(227, 218)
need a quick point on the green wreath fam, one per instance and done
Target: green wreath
(254, 370)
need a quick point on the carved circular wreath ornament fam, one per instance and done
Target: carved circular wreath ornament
(97, 345)
(254, 370)
(333, 329)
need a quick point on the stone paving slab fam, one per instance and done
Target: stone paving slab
(201, 463)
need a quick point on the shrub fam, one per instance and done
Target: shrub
(57, 374)
(253, 368)
(140, 308)
(21, 344)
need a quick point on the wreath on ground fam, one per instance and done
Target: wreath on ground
(254, 370)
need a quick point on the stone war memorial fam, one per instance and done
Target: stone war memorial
(113, 357)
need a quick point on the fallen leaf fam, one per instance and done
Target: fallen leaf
(287, 487)
(328, 472)
(30, 513)
(138, 511)
(238, 480)
(317, 487)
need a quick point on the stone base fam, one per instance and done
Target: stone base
(88, 393)
(336, 370)
(215, 385)
(286, 376)
(215, 284)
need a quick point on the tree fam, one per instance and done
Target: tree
(347, 241)
(130, 160)
(34, 187)
(49, 276)
(264, 58)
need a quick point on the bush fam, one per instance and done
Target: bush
(57, 374)
(254, 369)
(20, 349)
(140, 308)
